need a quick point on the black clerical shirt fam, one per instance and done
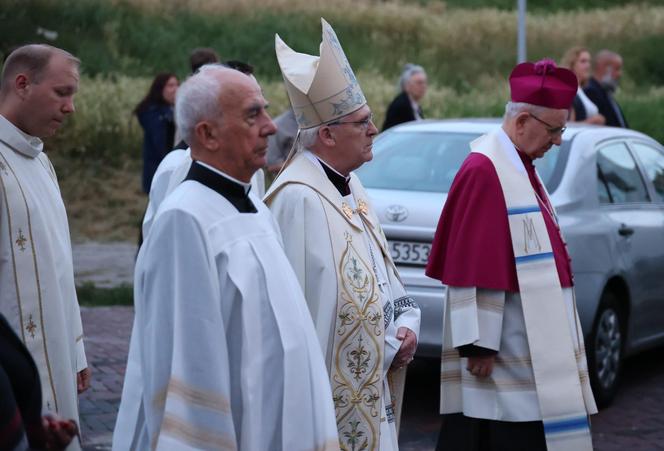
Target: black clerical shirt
(339, 181)
(234, 192)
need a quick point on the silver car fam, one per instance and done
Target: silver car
(607, 185)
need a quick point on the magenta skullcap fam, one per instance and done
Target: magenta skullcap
(543, 84)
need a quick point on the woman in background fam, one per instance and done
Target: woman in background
(155, 114)
(577, 59)
(406, 106)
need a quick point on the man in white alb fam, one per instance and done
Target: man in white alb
(226, 351)
(38, 294)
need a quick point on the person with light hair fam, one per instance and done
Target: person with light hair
(578, 60)
(367, 324)
(223, 352)
(406, 105)
(38, 295)
(513, 372)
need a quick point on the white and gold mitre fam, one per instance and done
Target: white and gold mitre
(321, 89)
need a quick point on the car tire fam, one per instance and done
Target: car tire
(605, 349)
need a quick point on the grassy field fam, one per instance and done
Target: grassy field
(457, 46)
(101, 182)
(467, 47)
(91, 296)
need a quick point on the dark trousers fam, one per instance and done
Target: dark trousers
(460, 433)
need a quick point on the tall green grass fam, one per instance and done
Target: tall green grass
(467, 46)
(103, 130)
(457, 46)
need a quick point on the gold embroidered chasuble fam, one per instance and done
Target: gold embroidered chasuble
(38, 295)
(336, 245)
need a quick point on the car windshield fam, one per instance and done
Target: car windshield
(428, 161)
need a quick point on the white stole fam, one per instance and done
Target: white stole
(559, 391)
(26, 275)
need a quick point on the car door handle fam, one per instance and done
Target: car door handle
(625, 231)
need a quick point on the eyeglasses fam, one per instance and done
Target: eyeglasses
(553, 131)
(364, 123)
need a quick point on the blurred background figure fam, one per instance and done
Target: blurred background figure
(155, 114)
(406, 106)
(201, 56)
(577, 59)
(279, 144)
(607, 70)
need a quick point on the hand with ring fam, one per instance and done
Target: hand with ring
(407, 350)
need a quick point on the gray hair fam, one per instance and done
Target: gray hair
(197, 99)
(408, 71)
(308, 138)
(513, 109)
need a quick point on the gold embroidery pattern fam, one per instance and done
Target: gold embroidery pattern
(10, 229)
(347, 210)
(362, 207)
(31, 326)
(358, 355)
(21, 240)
(36, 274)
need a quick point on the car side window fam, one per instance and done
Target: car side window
(618, 172)
(603, 188)
(653, 163)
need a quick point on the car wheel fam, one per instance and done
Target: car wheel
(605, 346)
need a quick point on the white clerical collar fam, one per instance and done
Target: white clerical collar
(17, 139)
(510, 149)
(319, 162)
(246, 186)
(415, 107)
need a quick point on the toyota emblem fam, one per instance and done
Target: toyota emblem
(396, 213)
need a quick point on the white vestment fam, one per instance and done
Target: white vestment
(37, 294)
(317, 224)
(540, 366)
(223, 352)
(494, 320)
(170, 173)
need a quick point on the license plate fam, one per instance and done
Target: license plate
(409, 252)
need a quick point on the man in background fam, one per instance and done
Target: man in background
(201, 56)
(607, 70)
(280, 144)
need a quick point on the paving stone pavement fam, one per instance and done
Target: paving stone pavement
(104, 264)
(107, 331)
(635, 421)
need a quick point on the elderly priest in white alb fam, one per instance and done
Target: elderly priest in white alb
(37, 292)
(366, 323)
(227, 350)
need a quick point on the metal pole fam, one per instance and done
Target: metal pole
(521, 36)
